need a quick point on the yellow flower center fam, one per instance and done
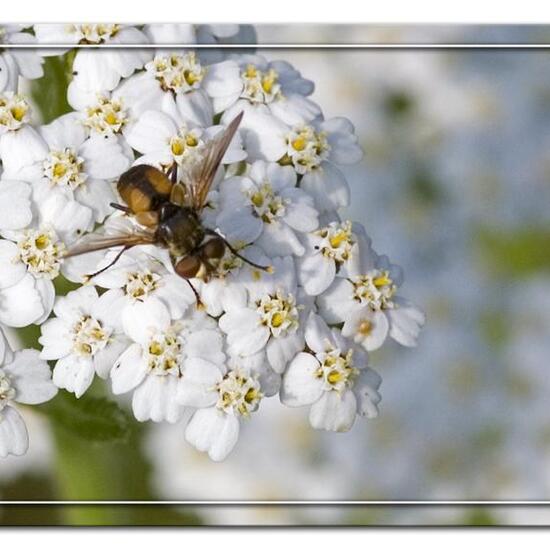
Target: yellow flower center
(41, 251)
(337, 241)
(64, 168)
(14, 110)
(164, 353)
(306, 149)
(177, 73)
(267, 205)
(279, 313)
(238, 393)
(336, 369)
(140, 284)
(260, 86)
(89, 336)
(107, 116)
(375, 289)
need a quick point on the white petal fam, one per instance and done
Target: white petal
(239, 225)
(334, 411)
(214, 432)
(151, 132)
(105, 359)
(55, 339)
(337, 302)
(365, 390)
(300, 213)
(316, 273)
(156, 399)
(195, 107)
(328, 187)
(141, 319)
(14, 439)
(15, 204)
(283, 349)
(21, 149)
(342, 140)
(31, 378)
(318, 335)
(278, 239)
(206, 344)
(245, 335)
(197, 386)
(65, 131)
(104, 158)
(300, 386)
(69, 218)
(11, 269)
(129, 370)
(75, 374)
(295, 110)
(94, 70)
(406, 321)
(21, 304)
(46, 290)
(223, 79)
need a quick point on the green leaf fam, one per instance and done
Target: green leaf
(50, 92)
(90, 418)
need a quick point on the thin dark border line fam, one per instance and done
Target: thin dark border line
(389, 46)
(277, 502)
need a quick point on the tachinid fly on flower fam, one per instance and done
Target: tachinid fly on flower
(168, 214)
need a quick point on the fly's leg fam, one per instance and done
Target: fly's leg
(187, 268)
(124, 209)
(111, 264)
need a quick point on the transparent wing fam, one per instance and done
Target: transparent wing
(202, 174)
(95, 241)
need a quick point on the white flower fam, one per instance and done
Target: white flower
(332, 376)
(266, 208)
(277, 86)
(85, 337)
(66, 161)
(25, 379)
(272, 97)
(93, 70)
(106, 115)
(155, 365)
(225, 399)
(179, 75)
(143, 279)
(314, 149)
(16, 62)
(15, 112)
(167, 137)
(329, 251)
(233, 276)
(365, 301)
(267, 319)
(32, 257)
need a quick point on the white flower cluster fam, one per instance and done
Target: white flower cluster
(302, 331)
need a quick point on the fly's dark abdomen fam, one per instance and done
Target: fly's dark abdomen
(179, 229)
(144, 188)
